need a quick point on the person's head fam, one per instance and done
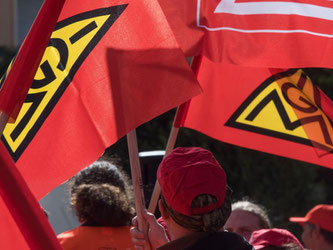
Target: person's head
(102, 196)
(274, 239)
(317, 227)
(246, 217)
(195, 196)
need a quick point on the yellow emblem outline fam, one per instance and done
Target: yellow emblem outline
(113, 14)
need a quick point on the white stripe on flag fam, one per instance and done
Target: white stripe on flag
(282, 8)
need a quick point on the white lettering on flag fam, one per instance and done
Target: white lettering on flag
(297, 10)
(282, 8)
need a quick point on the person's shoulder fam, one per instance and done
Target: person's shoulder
(67, 234)
(223, 241)
(75, 234)
(68, 239)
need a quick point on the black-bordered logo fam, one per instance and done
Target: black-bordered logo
(286, 106)
(70, 44)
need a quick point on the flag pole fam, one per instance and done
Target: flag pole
(177, 123)
(137, 181)
(170, 145)
(21, 203)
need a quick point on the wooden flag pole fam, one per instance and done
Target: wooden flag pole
(177, 123)
(22, 204)
(170, 145)
(137, 181)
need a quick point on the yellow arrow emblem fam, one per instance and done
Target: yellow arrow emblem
(286, 106)
(70, 44)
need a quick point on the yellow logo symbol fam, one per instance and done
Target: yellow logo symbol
(70, 44)
(286, 106)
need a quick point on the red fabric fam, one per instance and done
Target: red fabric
(16, 82)
(273, 237)
(321, 215)
(257, 34)
(10, 234)
(188, 172)
(125, 77)
(14, 87)
(86, 238)
(24, 209)
(233, 109)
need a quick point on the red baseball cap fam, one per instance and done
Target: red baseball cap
(321, 215)
(272, 237)
(188, 172)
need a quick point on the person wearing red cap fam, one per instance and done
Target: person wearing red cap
(274, 239)
(195, 205)
(317, 227)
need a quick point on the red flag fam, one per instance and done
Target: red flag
(16, 82)
(279, 34)
(14, 86)
(109, 67)
(10, 234)
(279, 113)
(24, 208)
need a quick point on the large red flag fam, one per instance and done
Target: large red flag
(279, 113)
(109, 67)
(279, 33)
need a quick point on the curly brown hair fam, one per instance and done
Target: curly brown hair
(102, 196)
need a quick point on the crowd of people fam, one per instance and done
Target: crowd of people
(196, 212)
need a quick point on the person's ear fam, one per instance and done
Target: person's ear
(163, 210)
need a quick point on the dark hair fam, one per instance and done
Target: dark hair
(249, 206)
(102, 196)
(208, 222)
(290, 246)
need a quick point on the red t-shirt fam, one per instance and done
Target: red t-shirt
(99, 238)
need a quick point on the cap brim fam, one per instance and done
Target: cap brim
(300, 220)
